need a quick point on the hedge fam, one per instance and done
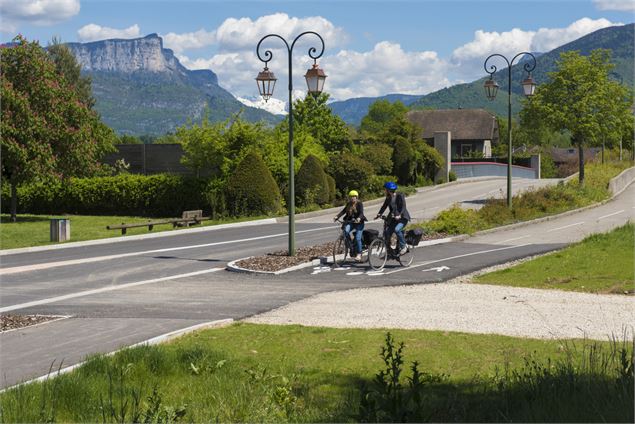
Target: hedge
(311, 184)
(160, 195)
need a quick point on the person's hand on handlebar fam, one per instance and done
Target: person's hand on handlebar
(335, 218)
(378, 216)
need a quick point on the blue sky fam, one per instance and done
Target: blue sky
(372, 47)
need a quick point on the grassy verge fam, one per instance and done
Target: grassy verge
(601, 263)
(33, 230)
(531, 204)
(258, 373)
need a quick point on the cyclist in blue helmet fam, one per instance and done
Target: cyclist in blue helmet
(396, 202)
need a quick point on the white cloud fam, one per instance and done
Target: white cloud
(38, 12)
(189, 40)
(469, 57)
(548, 39)
(619, 5)
(94, 32)
(243, 33)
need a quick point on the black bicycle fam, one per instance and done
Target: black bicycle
(380, 249)
(346, 247)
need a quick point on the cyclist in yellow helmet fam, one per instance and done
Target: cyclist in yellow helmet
(354, 219)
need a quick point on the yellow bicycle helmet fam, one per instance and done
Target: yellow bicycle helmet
(353, 193)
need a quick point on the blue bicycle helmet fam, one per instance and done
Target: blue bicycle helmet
(390, 186)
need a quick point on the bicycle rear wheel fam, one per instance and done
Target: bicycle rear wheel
(377, 254)
(340, 251)
(407, 258)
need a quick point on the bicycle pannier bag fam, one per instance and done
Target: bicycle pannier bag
(369, 235)
(413, 237)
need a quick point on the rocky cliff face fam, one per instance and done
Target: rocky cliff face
(129, 56)
(142, 88)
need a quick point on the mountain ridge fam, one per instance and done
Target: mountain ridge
(471, 95)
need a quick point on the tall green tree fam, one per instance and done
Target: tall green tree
(314, 116)
(46, 129)
(578, 97)
(67, 66)
(380, 114)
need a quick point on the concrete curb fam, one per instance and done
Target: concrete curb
(231, 266)
(136, 237)
(154, 340)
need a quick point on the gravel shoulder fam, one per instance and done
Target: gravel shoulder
(459, 305)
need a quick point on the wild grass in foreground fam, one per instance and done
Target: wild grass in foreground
(258, 373)
(601, 263)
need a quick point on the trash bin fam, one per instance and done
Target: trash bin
(60, 229)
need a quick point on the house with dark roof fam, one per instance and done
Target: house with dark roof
(472, 130)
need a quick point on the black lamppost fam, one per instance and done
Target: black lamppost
(529, 87)
(315, 82)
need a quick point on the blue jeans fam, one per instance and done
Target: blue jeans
(396, 227)
(359, 228)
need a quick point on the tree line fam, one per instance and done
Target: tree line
(50, 130)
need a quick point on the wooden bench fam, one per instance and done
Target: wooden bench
(188, 218)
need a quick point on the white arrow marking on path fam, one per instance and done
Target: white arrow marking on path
(437, 269)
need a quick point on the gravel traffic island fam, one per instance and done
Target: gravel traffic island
(281, 261)
(13, 322)
(458, 305)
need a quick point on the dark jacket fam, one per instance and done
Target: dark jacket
(399, 210)
(355, 215)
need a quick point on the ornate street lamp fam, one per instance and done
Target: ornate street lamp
(315, 78)
(491, 88)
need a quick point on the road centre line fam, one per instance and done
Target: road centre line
(455, 257)
(104, 289)
(515, 238)
(25, 268)
(566, 226)
(611, 214)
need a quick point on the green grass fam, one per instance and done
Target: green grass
(530, 204)
(34, 230)
(258, 373)
(601, 263)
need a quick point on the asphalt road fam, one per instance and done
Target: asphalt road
(122, 293)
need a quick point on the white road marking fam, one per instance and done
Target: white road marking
(25, 268)
(512, 239)
(611, 214)
(456, 257)
(566, 226)
(437, 269)
(103, 290)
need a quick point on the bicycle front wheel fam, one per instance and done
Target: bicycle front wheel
(340, 251)
(406, 259)
(377, 254)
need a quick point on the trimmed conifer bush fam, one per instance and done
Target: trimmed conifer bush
(403, 161)
(332, 189)
(311, 184)
(251, 189)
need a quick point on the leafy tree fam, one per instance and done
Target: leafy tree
(427, 160)
(380, 114)
(218, 146)
(66, 65)
(46, 129)
(314, 116)
(578, 97)
(380, 156)
(128, 139)
(350, 172)
(251, 189)
(311, 184)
